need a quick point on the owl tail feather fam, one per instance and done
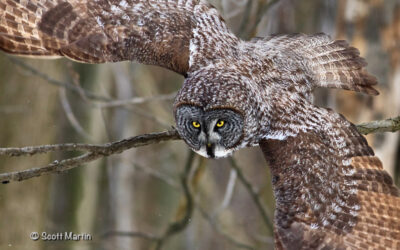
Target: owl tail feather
(337, 65)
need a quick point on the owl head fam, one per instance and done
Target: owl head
(213, 112)
(211, 133)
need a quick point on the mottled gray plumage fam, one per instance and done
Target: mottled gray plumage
(331, 192)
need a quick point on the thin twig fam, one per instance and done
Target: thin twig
(71, 116)
(107, 148)
(388, 125)
(55, 167)
(254, 195)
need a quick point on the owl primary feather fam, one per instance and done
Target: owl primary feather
(331, 191)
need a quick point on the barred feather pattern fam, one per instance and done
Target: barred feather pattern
(331, 191)
(96, 31)
(324, 62)
(181, 35)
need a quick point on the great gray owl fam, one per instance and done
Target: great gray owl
(331, 192)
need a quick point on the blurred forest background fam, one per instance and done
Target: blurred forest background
(140, 190)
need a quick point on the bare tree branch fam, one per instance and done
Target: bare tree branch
(94, 152)
(388, 125)
(71, 116)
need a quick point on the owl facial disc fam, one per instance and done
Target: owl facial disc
(211, 133)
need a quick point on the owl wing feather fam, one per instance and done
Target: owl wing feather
(323, 62)
(96, 31)
(331, 191)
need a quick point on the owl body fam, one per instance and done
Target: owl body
(331, 191)
(252, 86)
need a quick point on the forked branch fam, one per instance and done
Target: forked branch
(93, 152)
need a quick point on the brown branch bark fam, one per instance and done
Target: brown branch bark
(93, 152)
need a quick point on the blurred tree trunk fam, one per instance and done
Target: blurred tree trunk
(120, 173)
(91, 213)
(27, 107)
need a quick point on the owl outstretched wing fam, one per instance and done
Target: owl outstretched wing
(171, 34)
(331, 191)
(319, 61)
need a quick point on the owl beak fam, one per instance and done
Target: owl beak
(210, 150)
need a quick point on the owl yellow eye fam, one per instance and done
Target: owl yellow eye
(220, 124)
(196, 124)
